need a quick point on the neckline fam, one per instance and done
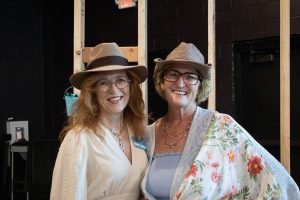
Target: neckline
(173, 153)
(107, 133)
(165, 117)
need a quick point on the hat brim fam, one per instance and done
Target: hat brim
(205, 70)
(139, 70)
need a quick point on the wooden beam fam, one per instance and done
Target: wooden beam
(142, 44)
(212, 52)
(285, 83)
(130, 52)
(79, 17)
(133, 54)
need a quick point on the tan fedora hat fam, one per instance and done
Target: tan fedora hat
(186, 54)
(107, 57)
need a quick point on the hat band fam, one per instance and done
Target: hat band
(108, 60)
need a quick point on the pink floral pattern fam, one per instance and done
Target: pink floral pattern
(215, 177)
(228, 166)
(230, 194)
(215, 164)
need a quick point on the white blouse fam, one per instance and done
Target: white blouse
(90, 168)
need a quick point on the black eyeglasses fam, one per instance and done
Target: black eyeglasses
(121, 83)
(188, 77)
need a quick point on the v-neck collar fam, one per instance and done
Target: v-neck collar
(117, 147)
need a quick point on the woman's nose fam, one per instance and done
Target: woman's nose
(113, 87)
(180, 82)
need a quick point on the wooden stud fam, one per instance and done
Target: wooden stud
(79, 17)
(212, 52)
(142, 44)
(131, 53)
(285, 83)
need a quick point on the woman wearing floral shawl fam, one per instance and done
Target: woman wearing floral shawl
(196, 153)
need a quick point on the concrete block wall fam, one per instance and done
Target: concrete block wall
(170, 22)
(240, 20)
(36, 46)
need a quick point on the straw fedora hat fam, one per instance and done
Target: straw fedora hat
(186, 54)
(107, 57)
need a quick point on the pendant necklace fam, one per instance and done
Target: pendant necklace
(119, 137)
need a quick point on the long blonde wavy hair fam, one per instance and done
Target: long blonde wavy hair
(86, 111)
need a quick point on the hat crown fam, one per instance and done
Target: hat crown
(186, 52)
(104, 50)
(107, 57)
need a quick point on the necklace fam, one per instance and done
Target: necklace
(120, 140)
(177, 136)
(118, 135)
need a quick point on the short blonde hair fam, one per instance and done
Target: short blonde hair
(158, 77)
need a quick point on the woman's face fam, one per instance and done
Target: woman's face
(183, 91)
(112, 90)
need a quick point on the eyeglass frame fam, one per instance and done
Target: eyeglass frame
(110, 82)
(182, 75)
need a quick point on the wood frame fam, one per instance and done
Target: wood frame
(140, 53)
(79, 36)
(211, 16)
(134, 54)
(285, 84)
(131, 53)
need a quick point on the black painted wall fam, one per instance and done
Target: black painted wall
(36, 47)
(35, 61)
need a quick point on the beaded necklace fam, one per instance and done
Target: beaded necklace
(178, 135)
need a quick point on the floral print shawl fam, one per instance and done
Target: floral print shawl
(222, 161)
(229, 166)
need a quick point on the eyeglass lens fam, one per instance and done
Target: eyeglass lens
(120, 83)
(188, 78)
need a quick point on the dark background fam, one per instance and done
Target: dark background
(36, 58)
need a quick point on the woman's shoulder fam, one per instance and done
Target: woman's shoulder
(150, 132)
(150, 126)
(150, 129)
(223, 118)
(77, 136)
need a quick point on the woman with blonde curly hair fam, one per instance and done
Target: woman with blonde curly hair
(101, 155)
(195, 153)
